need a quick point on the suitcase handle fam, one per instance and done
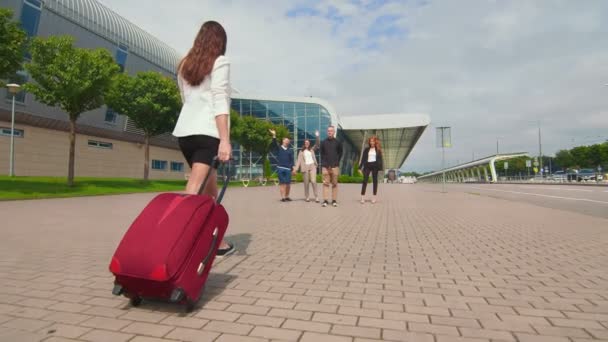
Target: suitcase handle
(225, 173)
(201, 267)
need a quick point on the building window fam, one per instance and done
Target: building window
(110, 116)
(159, 164)
(121, 56)
(30, 16)
(6, 131)
(19, 78)
(100, 144)
(177, 167)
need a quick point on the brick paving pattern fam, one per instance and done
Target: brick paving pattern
(417, 266)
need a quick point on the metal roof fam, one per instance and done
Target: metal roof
(398, 134)
(101, 20)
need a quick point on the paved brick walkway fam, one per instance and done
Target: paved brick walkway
(418, 266)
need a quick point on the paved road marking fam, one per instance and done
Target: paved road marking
(541, 195)
(552, 188)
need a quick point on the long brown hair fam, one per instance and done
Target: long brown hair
(304, 145)
(377, 141)
(210, 43)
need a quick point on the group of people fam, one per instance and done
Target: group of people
(331, 154)
(203, 129)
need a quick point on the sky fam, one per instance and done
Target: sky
(492, 70)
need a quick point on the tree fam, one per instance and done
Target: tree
(151, 100)
(72, 78)
(581, 156)
(12, 45)
(411, 174)
(604, 155)
(564, 159)
(253, 134)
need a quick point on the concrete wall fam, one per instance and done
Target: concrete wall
(44, 152)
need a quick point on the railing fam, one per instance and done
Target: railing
(532, 180)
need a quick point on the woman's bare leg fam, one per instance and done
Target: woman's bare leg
(199, 172)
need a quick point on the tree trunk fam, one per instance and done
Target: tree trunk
(147, 157)
(72, 150)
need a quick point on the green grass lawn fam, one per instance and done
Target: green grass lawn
(55, 187)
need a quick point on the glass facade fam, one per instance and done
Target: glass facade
(122, 53)
(159, 165)
(177, 166)
(301, 119)
(110, 116)
(121, 56)
(30, 16)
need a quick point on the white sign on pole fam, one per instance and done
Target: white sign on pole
(506, 165)
(528, 163)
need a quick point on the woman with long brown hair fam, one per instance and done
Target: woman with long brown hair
(203, 126)
(371, 162)
(307, 164)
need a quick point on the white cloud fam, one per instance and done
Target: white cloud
(487, 68)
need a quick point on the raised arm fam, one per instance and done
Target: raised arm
(317, 142)
(275, 143)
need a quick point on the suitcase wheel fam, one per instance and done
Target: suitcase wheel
(135, 301)
(177, 295)
(117, 290)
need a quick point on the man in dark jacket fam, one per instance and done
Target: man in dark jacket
(331, 153)
(285, 165)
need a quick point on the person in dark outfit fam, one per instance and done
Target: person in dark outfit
(285, 165)
(371, 162)
(331, 153)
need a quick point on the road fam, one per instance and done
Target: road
(581, 199)
(418, 265)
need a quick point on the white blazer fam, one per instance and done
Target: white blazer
(201, 104)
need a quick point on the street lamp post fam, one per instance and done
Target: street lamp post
(496, 146)
(444, 139)
(540, 147)
(13, 89)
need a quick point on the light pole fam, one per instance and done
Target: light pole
(444, 139)
(496, 146)
(13, 89)
(540, 148)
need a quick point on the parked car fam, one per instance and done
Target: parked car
(559, 176)
(588, 175)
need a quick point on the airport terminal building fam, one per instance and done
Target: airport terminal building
(109, 145)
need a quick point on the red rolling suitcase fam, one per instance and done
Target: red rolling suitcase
(168, 250)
